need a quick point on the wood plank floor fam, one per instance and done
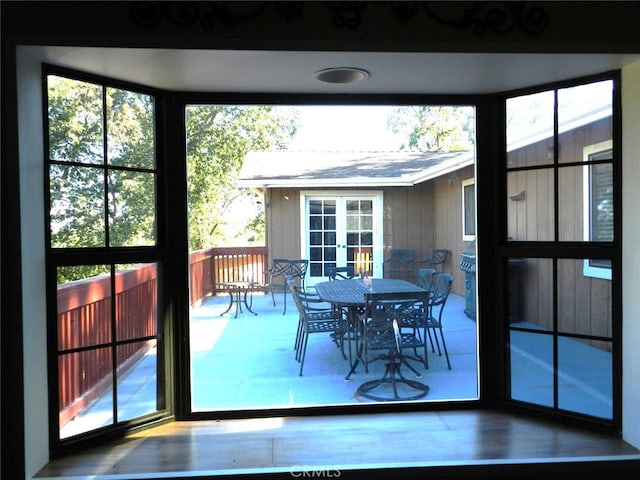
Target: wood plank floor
(462, 444)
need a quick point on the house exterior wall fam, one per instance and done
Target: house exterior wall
(584, 302)
(448, 222)
(423, 217)
(282, 234)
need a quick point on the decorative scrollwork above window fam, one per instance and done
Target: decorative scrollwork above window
(476, 17)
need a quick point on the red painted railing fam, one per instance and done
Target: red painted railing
(217, 265)
(84, 318)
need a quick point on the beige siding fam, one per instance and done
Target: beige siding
(448, 222)
(283, 223)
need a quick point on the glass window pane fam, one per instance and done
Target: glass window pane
(84, 306)
(530, 292)
(330, 222)
(85, 391)
(131, 208)
(530, 130)
(584, 302)
(75, 121)
(531, 356)
(469, 208)
(584, 117)
(571, 204)
(353, 206)
(315, 238)
(315, 207)
(130, 129)
(330, 254)
(330, 238)
(136, 301)
(315, 222)
(601, 202)
(137, 382)
(366, 222)
(352, 222)
(77, 207)
(585, 382)
(353, 238)
(329, 207)
(366, 238)
(315, 254)
(530, 211)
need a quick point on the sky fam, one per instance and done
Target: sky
(353, 128)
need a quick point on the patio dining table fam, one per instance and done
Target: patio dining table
(350, 294)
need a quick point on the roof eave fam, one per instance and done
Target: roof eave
(326, 182)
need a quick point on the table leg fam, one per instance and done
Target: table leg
(230, 302)
(249, 305)
(352, 330)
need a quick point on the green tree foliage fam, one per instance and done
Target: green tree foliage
(435, 128)
(218, 138)
(102, 171)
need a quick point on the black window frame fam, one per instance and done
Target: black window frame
(557, 250)
(493, 252)
(111, 256)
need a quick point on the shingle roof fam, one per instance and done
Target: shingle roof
(308, 169)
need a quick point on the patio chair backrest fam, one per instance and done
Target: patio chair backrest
(400, 263)
(285, 266)
(441, 289)
(438, 258)
(388, 312)
(425, 278)
(340, 273)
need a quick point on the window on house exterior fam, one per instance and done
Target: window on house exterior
(598, 203)
(468, 210)
(104, 267)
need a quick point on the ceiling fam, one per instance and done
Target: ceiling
(292, 72)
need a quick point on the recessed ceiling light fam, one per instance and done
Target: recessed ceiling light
(341, 75)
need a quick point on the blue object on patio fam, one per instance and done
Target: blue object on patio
(278, 271)
(314, 320)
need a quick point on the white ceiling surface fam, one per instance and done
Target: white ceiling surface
(291, 72)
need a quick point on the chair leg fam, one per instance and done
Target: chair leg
(285, 303)
(303, 348)
(433, 349)
(298, 337)
(444, 347)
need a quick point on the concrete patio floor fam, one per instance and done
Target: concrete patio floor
(249, 362)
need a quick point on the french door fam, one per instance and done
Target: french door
(342, 229)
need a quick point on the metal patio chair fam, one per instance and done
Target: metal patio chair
(280, 268)
(314, 320)
(400, 264)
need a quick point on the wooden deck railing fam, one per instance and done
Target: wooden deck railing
(84, 318)
(213, 266)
